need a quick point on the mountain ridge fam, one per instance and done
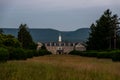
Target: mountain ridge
(51, 35)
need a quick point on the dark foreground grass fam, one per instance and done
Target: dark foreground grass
(60, 67)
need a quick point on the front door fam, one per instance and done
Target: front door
(60, 50)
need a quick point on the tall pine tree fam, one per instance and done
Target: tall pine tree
(103, 32)
(25, 38)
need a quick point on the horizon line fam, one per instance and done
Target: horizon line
(48, 28)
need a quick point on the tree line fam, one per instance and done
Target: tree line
(22, 47)
(104, 38)
(104, 33)
(23, 40)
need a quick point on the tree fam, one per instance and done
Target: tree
(43, 47)
(25, 38)
(115, 22)
(92, 37)
(1, 30)
(9, 41)
(103, 32)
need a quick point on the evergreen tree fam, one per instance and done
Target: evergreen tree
(115, 22)
(102, 33)
(92, 37)
(1, 30)
(25, 38)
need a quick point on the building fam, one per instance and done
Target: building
(62, 47)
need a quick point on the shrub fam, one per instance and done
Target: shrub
(32, 46)
(29, 53)
(84, 53)
(17, 54)
(43, 52)
(48, 53)
(104, 55)
(116, 56)
(90, 53)
(4, 55)
(10, 41)
(43, 47)
(74, 52)
(36, 53)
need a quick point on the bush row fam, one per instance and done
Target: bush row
(20, 54)
(4, 55)
(114, 55)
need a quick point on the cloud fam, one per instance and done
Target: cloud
(63, 4)
(57, 14)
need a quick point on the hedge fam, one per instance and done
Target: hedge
(17, 54)
(114, 55)
(88, 53)
(4, 55)
(104, 54)
(74, 52)
(29, 53)
(43, 52)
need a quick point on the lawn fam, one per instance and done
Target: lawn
(60, 67)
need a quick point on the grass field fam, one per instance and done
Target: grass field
(60, 67)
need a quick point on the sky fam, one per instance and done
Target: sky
(63, 15)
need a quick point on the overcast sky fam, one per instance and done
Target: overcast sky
(64, 15)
